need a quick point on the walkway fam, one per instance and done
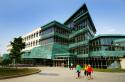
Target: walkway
(58, 74)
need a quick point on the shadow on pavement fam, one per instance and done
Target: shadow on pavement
(49, 74)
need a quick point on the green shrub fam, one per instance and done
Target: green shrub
(109, 70)
(15, 71)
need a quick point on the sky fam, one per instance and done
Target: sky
(18, 17)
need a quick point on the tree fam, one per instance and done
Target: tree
(5, 60)
(16, 51)
(0, 60)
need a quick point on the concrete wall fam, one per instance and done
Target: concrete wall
(122, 62)
(115, 64)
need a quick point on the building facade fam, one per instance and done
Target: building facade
(56, 44)
(65, 43)
(32, 39)
(104, 53)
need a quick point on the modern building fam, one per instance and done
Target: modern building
(103, 52)
(57, 44)
(64, 43)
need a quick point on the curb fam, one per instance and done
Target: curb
(21, 75)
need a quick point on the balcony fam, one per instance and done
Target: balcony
(61, 35)
(52, 34)
(77, 32)
(82, 55)
(107, 53)
(47, 35)
(78, 44)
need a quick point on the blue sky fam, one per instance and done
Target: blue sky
(18, 17)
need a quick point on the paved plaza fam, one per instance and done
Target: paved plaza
(59, 74)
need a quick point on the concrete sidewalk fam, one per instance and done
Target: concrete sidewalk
(58, 74)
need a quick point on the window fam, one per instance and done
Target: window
(37, 34)
(29, 37)
(34, 35)
(36, 42)
(30, 44)
(47, 31)
(33, 43)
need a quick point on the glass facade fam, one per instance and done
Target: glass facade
(104, 43)
(47, 31)
(55, 37)
(80, 35)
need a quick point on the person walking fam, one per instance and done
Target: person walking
(78, 70)
(85, 70)
(89, 72)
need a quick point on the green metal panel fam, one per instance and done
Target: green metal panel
(120, 40)
(60, 35)
(78, 44)
(47, 35)
(25, 54)
(44, 51)
(82, 55)
(62, 55)
(83, 15)
(77, 32)
(5, 56)
(54, 23)
(48, 51)
(59, 49)
(52, 34)
(108, 35)
(108, 53)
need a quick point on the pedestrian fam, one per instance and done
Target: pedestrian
(89, 72)
(85, 69)
(71, 66)
(78, 70)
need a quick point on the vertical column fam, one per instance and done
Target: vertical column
(68, 62)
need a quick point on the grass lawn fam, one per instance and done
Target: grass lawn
(109, 70)
(8, 72)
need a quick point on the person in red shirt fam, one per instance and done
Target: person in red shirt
(89, 71)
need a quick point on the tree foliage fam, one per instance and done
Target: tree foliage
(6, 62)
(17, 46)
